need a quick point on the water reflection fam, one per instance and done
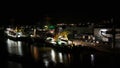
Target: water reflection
(14, 47)
(34, 55)
(92, 59)
(60, 57)
(48, 55)
(34, 52)
(53, 58)
(12, 64)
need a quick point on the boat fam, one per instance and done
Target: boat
(16, 35)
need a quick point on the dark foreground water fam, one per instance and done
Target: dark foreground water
(17, 54)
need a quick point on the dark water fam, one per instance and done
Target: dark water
(17, 54)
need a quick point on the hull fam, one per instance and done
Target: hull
(19, 38)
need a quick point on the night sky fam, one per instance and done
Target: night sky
(56, 15)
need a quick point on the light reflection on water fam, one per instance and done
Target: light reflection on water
(47, 55)
(92, 59)
(12, 64)
(51, 56)
(60, 57)
(14, 47)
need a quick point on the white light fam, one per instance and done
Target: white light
(69, 42)
(92, 59)
(46, 62)
(20, 48)
(53, 42)
(62, 42)
(60, 57)
(102, 30)
(8, 28)
(48, 38)
(9, 45)
(97, 42)
(18, 35)
(53, 56)
(31, 35)
(14, 47)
